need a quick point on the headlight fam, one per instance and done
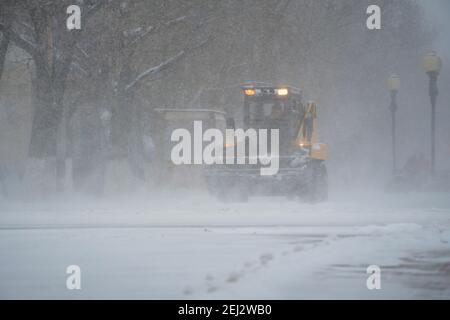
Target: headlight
(282, 92)
(249, 92)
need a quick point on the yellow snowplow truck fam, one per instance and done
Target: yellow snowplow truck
(302, 172)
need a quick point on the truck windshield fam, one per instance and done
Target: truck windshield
(262, 111)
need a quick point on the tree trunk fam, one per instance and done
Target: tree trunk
(4, 44)
(48, 138)
(121, 120)
(121, 124)
(47, 115)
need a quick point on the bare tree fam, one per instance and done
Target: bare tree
(38, 27)
(4, 37)
(134, 60)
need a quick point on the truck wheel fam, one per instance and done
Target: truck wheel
(321, 183)
(316, 188)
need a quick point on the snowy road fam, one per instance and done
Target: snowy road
(193, 247)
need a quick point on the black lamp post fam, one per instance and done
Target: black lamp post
(433, 64)
(393, 86)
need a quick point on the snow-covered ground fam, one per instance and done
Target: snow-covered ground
(191, 247)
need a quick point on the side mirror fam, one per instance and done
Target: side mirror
(230, 123)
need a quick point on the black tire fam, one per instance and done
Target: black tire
(321, 183)
(316, 187)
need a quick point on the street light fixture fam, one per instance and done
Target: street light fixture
(432, 65)
(393, 84)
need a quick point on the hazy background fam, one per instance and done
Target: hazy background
(135, 56)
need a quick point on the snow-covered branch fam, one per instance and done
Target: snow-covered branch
(79, 68)
(140, 33)
(176, 20)
(156, 69)
(92, 9)
(18, 40)
(163, 65)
